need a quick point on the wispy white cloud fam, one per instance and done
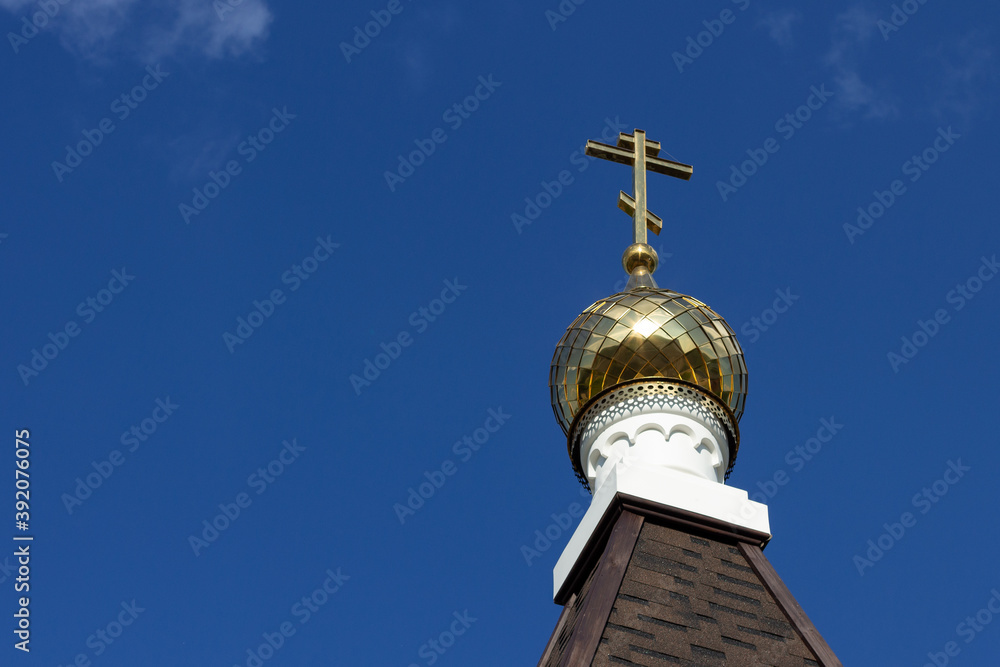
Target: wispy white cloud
(419, 53)
(962, 78)
(151, 30)
(852, 34)
(779, 26)
(90, 26)
(200, 150)
(197, 26)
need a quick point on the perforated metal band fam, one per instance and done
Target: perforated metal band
(611, 404)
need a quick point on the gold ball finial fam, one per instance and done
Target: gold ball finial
(639, 255)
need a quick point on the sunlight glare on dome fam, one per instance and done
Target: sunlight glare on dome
(644, 327)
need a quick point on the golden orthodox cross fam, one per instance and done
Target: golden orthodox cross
(642, 155)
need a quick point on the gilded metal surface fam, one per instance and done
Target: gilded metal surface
(653, 222)
(645, 333)
(639, 255)
(642, 155)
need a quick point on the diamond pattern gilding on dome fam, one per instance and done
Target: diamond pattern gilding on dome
(613, 342)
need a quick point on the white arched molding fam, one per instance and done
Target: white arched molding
(652, 429)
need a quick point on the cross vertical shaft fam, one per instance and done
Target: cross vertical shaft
(639, 187)
(642, 155)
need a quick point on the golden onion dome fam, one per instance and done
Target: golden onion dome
(643, 333)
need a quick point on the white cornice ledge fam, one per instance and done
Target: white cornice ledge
(667, 487)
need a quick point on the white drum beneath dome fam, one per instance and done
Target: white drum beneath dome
(654, 430)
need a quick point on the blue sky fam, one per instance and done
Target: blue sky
(215, 215)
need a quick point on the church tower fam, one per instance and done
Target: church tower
(666, 567)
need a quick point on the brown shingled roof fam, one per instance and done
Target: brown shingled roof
(668, 591)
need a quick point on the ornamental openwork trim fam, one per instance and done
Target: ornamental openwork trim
(612, 403)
